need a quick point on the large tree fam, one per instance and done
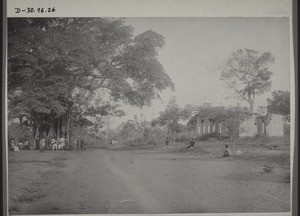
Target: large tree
(58, 66)
(233, 118)
(279, 103)
(246, 72)
(170, 118)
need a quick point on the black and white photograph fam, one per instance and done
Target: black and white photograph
(149, 115)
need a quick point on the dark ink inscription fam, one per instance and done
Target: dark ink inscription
(35, 10)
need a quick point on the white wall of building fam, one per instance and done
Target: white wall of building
(276, 126)
(248, 127)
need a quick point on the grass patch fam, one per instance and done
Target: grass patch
(13, 208)
(30, 161)
(265, 141)
(29, 195)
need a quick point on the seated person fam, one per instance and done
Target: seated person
(53, 144)
(42, 144)
(61, 143)
(192, 143)
(13, 146)
(20, 145)
(26, 145)
(227, 151)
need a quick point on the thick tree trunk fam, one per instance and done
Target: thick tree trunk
(251, 107)
(58, 129)
(233, 144)
(36, 136)
(63, 126)
(107, 131)
(192, 134)
(68, 130)
(197, 127)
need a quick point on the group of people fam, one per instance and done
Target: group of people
(42, 144)
(54, 144)
(19, 146)
(62, 143)
(57, 145)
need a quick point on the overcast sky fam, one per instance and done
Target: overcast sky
(195, 49)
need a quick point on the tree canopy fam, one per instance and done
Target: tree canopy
(246, 72)
(64, 69)
(170, 118)
(279, 103)
(231, 117)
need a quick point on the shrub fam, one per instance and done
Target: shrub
(217, 136)
(268, 169)
(19, 133)
(262, 138)
(203, 137)
(183, 137)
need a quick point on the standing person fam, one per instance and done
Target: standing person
(82, 143)
(35, 144)
(78, 142)
(75, 143)
(42, 144)
(12, 145)
(67, 144)
(167, 141)
(26, 145)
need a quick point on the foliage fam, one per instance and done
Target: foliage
(136, 133)
(279, 103)
(261, 138)
(268, 169)
(184, 134)
(89, 138)
(170, 117)
(246, 72)
(129, 130)
(234, 116)
(213, 136)
(63, 70)
(19, 133)
(231, 117)
(208, 111)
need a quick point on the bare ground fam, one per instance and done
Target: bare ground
(169, 179)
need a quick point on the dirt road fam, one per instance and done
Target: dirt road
(140, 181)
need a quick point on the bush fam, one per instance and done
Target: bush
(287, 130)
(262, 138)
(183, 137)
(143, 136)
(19, 133)
(203, 137)
(217, 136)
(268, 169)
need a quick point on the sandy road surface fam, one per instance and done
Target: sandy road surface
(143, 181)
